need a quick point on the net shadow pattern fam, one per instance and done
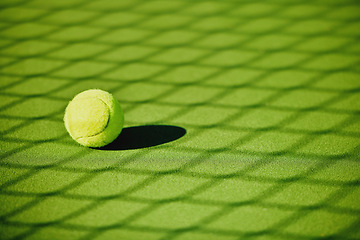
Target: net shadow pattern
(259, 76)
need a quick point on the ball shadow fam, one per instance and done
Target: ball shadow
(144, 137)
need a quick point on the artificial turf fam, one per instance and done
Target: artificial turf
(241, 119)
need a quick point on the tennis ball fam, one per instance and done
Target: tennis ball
(94, 118)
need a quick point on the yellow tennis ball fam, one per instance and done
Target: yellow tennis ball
(94, 118)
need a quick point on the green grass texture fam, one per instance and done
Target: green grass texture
(242, 120)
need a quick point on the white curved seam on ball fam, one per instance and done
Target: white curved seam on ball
(107, 123)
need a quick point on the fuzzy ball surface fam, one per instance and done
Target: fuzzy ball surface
(94, 118)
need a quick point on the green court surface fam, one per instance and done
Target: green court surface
(242, 119)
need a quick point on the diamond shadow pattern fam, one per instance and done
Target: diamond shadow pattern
(268, 92)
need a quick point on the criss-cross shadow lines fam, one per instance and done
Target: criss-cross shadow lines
(145, 136)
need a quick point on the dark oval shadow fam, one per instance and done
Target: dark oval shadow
(145, 136)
